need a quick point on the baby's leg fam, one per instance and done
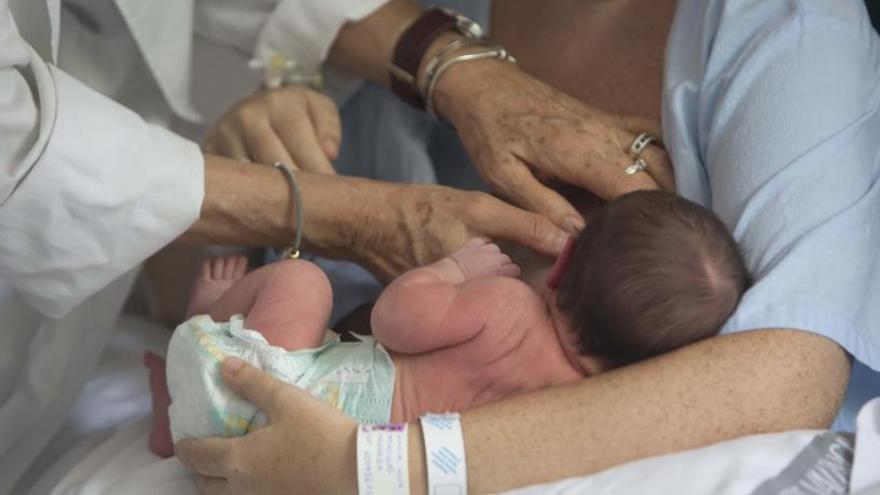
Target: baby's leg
(289, 302)
(160, 435)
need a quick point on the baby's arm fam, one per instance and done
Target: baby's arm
(441, 304)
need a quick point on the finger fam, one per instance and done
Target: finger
(256, 386)
(226, 144)
(477, 241)
(213, 486)
(510, 270)
(216, 268)
(325, 119)
(503, 221)
(241, 263)
(638, 125)
(605, 174)
(492, 248)
(264, 146)
(300, 140)
(206, 456)
(659, 167)
(518, 185)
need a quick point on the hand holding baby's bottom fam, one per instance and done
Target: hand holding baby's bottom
(480, 257)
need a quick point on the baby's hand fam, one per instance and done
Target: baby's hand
(481, 258)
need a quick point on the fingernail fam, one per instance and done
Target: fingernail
(574, 224)
(331, 149)
(232, 364)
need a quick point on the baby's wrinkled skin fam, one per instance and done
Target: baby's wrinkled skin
(462, 331)
(474, 327)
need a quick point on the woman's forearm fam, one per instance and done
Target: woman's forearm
(250, 205)
(366, 47)
(747, 383)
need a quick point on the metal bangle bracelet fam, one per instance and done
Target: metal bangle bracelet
(431, 66)
(496, 52)
(292, 251)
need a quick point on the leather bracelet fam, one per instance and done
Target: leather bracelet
(410, 50)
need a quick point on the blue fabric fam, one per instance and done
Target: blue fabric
(770, 114)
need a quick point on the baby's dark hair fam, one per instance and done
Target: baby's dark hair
(650, 273)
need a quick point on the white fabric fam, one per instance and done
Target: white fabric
(88, 191)
(866, 458)
(735, 467)
(304, 30)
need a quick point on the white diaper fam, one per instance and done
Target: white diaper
(355, 377)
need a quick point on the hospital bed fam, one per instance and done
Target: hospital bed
(102, 450)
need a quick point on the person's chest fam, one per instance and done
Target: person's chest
(607, 54)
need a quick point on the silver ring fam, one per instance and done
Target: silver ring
(640, 143)
(638, 166)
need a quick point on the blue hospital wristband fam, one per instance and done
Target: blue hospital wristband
(444, 454)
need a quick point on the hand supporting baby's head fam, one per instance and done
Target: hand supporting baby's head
(651, 273)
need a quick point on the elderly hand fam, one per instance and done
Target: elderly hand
(306, 446)
(518, 129)
(416, 225)
(291, 124)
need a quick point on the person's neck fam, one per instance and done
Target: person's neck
(552, 363)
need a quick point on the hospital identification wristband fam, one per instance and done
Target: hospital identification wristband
(382, 459)
(444, 454)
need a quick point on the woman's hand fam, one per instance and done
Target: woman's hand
(407, 226)
(519, 130)
(306, 446)
(291, 124)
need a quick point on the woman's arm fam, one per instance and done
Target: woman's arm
(511, 123)
(720, 388)
(388, 228)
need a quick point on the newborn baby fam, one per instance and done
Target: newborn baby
(651, 272)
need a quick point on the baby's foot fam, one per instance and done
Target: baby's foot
(160, 435)
(216, 277)
(481, 258)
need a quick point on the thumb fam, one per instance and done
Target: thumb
(256, 386)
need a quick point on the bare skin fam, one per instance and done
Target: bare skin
(607, 54)
(759, 381)
(388, 228)
(461, 328)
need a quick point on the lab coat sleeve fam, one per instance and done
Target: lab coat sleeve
(88, 190)
(304, 30)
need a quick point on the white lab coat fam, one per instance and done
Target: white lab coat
(89, 188)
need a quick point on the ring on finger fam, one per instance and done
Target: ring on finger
(640, 143)
(638, 166)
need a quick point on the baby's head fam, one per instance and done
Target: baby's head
(650, 273)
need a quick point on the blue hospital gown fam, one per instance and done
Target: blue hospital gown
(770, 115)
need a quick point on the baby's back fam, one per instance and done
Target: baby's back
(514, 349)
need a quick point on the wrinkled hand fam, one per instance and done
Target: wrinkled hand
(479, 257)
(418, 225)
(306, 446)
(518, 129)
(291, 124)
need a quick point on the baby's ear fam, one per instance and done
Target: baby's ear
(561, 265)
